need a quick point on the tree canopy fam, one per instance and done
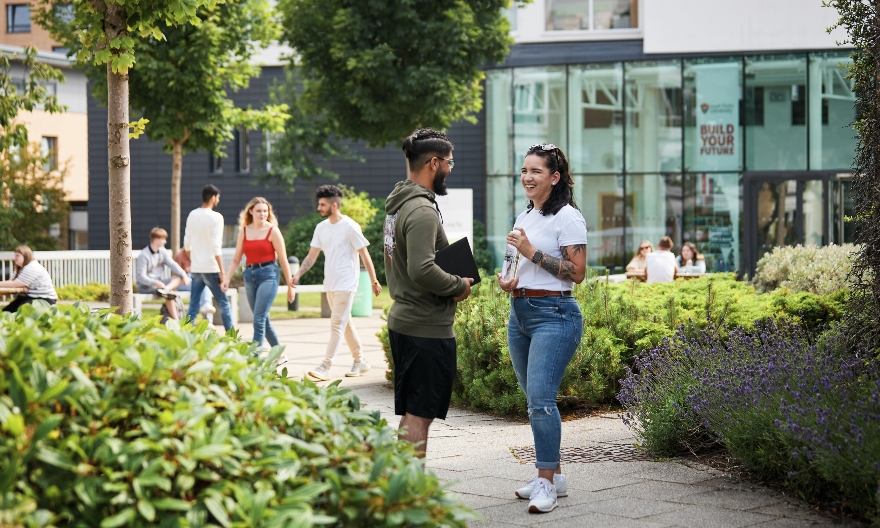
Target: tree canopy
(28, 95)
(378, 69)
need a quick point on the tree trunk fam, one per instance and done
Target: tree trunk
(118, 156)
(176, 173)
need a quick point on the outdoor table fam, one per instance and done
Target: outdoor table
(636, 274)
(690, 275)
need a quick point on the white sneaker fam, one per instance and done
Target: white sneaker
(357, 368)
(543, 499)
(525, 492)
(207, 309)
(321, 372)
(168, 294)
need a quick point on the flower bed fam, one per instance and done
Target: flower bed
(793, 407)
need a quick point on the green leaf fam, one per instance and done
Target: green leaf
(120, 519)
(15, 424)
(215, 506)
(166, 503)
(146, 509)
(55, 459)
(210, 451)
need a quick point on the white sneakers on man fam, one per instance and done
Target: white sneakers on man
(525, 492)
(543, 498)
(321, 372)
(357, 368)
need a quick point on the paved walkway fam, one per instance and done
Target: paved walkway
(610, 486)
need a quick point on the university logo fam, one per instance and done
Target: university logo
(704, 107)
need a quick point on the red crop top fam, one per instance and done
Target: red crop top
(258, 251)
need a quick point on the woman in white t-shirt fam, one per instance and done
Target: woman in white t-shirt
(31, 276)
(545, 324)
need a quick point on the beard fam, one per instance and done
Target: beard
(440, 182)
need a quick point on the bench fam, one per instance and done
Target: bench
(231, 294)
(316, 288)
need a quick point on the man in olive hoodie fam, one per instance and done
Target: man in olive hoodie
(420, 320)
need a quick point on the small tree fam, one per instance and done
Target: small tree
(861, 20)
(294, 153)
(181, 84)
(108, 33)
(31, 199)
(379, 69)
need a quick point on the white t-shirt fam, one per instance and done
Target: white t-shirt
(37, 279)
(549, 233)
(340, 243)
(204, 239)
(660, 266)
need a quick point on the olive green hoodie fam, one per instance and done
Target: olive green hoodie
(422, 292)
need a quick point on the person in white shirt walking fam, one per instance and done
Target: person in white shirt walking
(341, 240)
(660, 265)
(203, 243)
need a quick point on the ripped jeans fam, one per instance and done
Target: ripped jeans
(543, 334)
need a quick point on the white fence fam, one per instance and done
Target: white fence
(79, 267)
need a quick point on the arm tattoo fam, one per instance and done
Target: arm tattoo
(561, 268)
(306, 266)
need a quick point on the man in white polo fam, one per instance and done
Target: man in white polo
(341, 240)
(660, 265)
(203, 243)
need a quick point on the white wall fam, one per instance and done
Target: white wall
(686, 26)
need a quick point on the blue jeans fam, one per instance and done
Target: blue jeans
(261, 285)
(200, 281)
(543, 334)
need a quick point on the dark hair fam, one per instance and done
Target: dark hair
(328, 191)
(693, 248)
(209, 191)
(562, 193)
(424, 144)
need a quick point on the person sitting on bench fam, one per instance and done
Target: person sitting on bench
(150, 268)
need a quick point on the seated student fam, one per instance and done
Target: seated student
(690, 260)
(660, 265)
(636, 267)
(33, 277)
(150, 267)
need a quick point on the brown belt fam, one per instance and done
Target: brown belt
(523, 292)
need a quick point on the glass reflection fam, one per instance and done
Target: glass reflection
(653, 116)
(831, 109)
(595, 128)
(600, 199)
(713, 205)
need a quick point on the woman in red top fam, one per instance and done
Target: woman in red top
(261, 242)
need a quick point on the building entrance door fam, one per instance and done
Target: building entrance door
(786, 209)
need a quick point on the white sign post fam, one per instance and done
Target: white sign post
(457, 209)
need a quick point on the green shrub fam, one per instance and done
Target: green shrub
(113, 421)
(820, 270)
(620, 321)
(92, 291)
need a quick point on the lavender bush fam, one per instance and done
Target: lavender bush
(787, 405)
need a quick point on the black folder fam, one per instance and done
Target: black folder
(458, 259)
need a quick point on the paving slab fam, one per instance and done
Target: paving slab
(472, 452)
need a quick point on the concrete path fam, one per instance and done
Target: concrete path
(610, 483)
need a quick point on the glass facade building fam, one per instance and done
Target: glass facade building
(734, 153)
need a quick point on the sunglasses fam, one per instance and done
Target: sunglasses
(450, 160)
(644, 247)
(546, 147)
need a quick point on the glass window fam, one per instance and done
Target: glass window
(600, 199)
(49, 150)
(539, 109)
(654, 209)
(712, 134)
(500, 213)
(510, 13)
(595, 128)
(831, 111)
(215, 163)
(499, 124)
(242, 151)
(713, 203)
(653, 116)
(775, 112)
(18, 18)
(566, 15)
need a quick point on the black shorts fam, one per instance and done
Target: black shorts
(23, 299)
(424, 371)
